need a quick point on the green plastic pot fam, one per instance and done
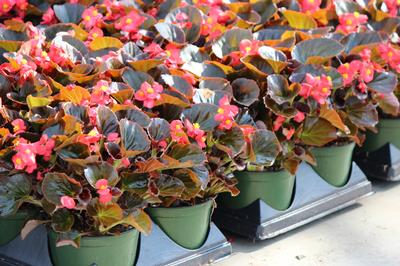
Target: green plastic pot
(273, 187)
(10, 226)
(186, 226)
(334, 163)
(100, 251)
(388, 131)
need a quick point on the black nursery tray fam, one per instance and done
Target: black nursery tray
(155, 249)
(383, 163)
(313, 199)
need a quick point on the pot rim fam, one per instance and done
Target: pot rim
(184, 207)
(103, 237)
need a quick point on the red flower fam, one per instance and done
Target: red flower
(248, 47)
(248, 131)
(105, 196)
(45, 147)
(317, 87)
(288, 133)
(49, 17)
(350, 22)
(130, 23)
(6, 6)
(67, 202)
(18, 126)
(102, 184)
(226, 113)
(58, 56)
(91, 17)
(278, 122)
(174, 55)
(148, 94)
(310, 5)
(194, 131)
(299, 117)
(349, 71)
(177, 132)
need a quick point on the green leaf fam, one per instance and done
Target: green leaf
(384, 82)
(188, 154)
(300, 20)
(230, 141)
(229, 42)
(100, 43)
(265, 8)
(316, 50)
(101, 170)
(134, 139)
(275, 58)
(171, 32)
(169, 186)
(135, 115)
(139, 220)
(55, 185)
(245, 91)
(105, 215)
(360, 39)
(363, 115)
(193, 53)
(192, 183)
(192, 33)
(265, 147)
(317, 132)
(135, 182)
(34, 102)
(106, 120)
(258, 65)
(203, 114)
(389, 103)
(159, 129)
(69, 13)
(179, 84)
(203, 70)
(279, 89)
(135, 78)
(62, 220)
(14, 190)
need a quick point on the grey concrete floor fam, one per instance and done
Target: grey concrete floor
(365, 234)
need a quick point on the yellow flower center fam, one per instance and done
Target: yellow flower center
(18, 161)
(92, 133)
(28, 151)
(369, 71)
(16, 127)
(209, 20)
(345, 76)
(329, 78)
(141, 93)
(178, 127)
(325, 89)
(220, 111)
(349, 22)
(356, 14)
(228, 121)
(196, 125)
(87, 18)
(103, 187)
(128, 21)
(5, 6)
(95, 35)
(168, 53)
(248, 49)
(311, 1)
(44, 54)
(390, 54)
(95, 13)
(150, 90)
(104, 88)
(346, 65)
(24, 62)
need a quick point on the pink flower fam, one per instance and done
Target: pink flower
(94, 33)
(45, 147)
(390, 55)
(91, 17)
(182, 20)
(49, 17)
(392, 6)
(102, 184)
(299, 117)
(367, 72)
(148, 94)
(310, 5)
(288, 133)
(278, 122)
(125, 162)
(226, 113)
(25, 158)
(105, 196)
(154, 50)
(248, 47)
(67, 202)
(130, 23)
(174, 55)
(177, 132)
(58, 56)
(194, 131)
(18, 126)
(6, 6)
(318, 88)
(101, 93)
(248, 131)
(349, 71)
(350, 22)
(111, 137)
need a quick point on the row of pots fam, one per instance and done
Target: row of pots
(188, 226)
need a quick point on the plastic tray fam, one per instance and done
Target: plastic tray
(314, 198)
(155, 249)
(383, 163)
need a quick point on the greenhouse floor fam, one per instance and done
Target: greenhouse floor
(365, 234)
